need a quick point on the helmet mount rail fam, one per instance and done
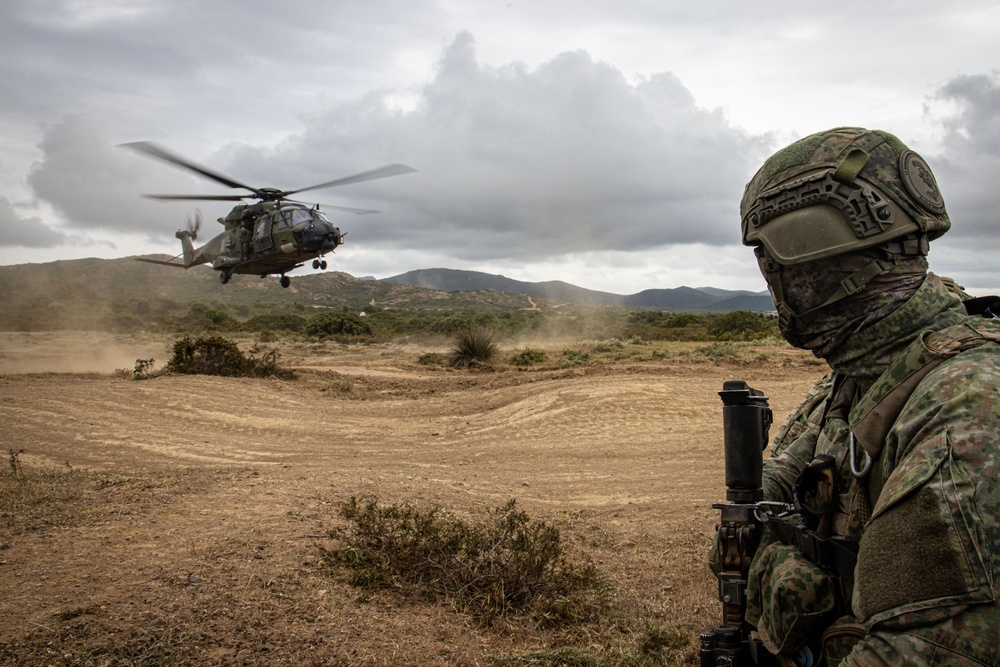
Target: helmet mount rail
(863, 207)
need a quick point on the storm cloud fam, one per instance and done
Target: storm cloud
(606, 146)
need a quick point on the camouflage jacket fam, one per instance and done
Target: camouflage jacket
(927, 515)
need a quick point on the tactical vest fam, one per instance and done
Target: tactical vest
(870, 420)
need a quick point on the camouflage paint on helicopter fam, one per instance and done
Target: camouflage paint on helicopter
(272, 236)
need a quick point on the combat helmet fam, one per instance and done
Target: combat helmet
(841, 191)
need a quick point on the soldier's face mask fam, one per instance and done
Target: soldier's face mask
(821, 303)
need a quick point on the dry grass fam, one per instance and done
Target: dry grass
(213, 603)
(493, 567)
(194, 524)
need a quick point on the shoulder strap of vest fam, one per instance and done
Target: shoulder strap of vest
(878, 409)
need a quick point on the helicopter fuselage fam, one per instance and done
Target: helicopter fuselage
(267, 238)
(273, 235)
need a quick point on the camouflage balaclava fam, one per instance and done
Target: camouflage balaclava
(840, 222)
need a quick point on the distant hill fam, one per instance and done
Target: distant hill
(79, 292)
(681, 298)
(76, 283)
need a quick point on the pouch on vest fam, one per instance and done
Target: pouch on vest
(839, 639)
(789, 599)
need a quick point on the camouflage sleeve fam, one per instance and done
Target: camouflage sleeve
(794, 444)
(929, 564)
(798, 419)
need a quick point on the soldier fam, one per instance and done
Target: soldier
(894, 456)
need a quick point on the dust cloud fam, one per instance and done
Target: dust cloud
(76, 352)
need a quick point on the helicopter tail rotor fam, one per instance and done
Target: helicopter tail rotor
(192, 223)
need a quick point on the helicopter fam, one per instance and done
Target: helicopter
(272, 235)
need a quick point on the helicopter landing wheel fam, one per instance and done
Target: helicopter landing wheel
(315, 263)
(224, 277)
(322, 264)
(285, 281)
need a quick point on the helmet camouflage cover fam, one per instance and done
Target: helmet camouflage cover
(840, 191)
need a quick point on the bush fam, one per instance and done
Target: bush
(603, 347)
(720, 350)
(143, 369)
(741, 325)
(497, 567)
(275, 322)
(662, 325)
(574, 358)
(218, 320)
(215, 355)
(431, 359)
(474, 345)
(528, 357)
(337, 324)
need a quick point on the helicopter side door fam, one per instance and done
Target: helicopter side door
(262, 234)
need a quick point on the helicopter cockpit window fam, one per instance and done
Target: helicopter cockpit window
(293, 216)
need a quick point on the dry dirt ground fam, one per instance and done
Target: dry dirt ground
(185, 514)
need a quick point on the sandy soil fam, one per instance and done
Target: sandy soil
(214, 495)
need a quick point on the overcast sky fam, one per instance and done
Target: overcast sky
(603, 144)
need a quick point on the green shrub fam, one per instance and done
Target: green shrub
(605, 346)
(275, 322)
(493, 568)
(473, 345)
(720, 350)
(574, 358)
(337, 324)
(143, 369)
(741, 325)
(218, 320)
(216, 355)
(431, 359)
(528, 357)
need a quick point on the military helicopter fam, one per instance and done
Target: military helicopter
(273, 235)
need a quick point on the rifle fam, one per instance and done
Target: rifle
(746, 421)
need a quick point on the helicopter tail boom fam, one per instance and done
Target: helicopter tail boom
(185, 236)
(159, 261)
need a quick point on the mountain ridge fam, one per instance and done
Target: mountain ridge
(122, 279)
(678, 298)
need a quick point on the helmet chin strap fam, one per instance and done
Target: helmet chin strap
(788, 319)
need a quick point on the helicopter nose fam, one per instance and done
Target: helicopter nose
(332, 239)
(327, 236)
(321, 235)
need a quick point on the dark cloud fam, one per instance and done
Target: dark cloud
(26, 232)
(970, 159)
(513, 162)
(194, 67)
(96, 185)
(563, 158)
(562, 130)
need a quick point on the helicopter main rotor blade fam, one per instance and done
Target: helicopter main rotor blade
(346, 209)
(161, 154)
(199, 197)
(381, 172)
